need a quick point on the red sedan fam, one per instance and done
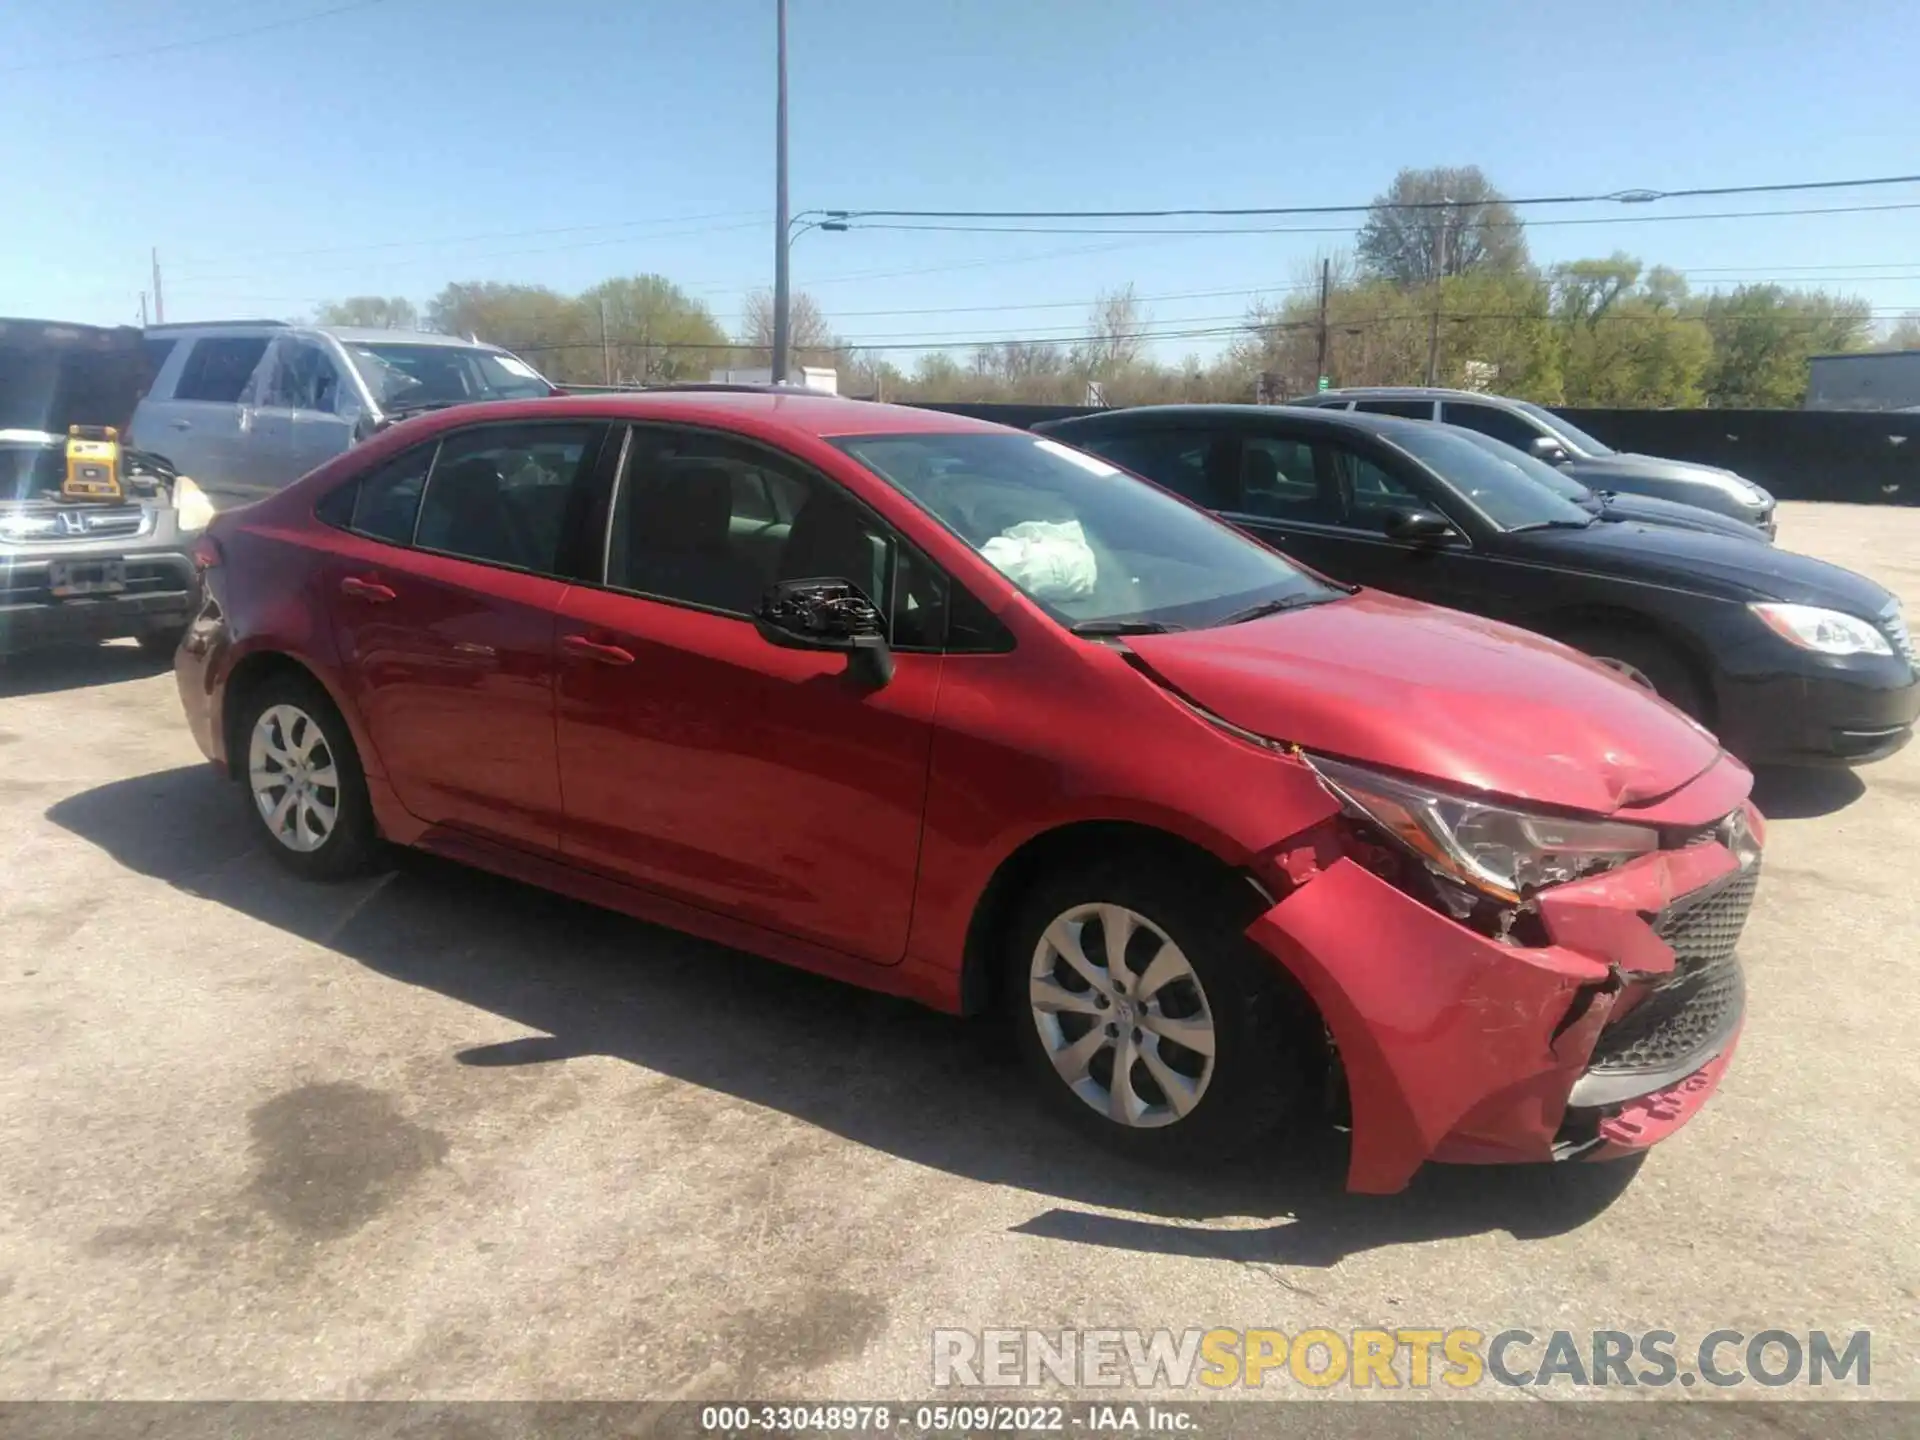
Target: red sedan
(956, 712)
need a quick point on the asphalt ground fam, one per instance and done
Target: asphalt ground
(438, 1135)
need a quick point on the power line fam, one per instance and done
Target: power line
(1617, 197)
(1516, 224)
(72, 63)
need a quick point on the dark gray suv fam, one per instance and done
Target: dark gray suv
(1541, 433)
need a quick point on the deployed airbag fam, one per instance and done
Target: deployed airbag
(1050, 560)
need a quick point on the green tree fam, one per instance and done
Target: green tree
(1435, 223)
(550, 329)
(1762, 336)
(655, 332)
(1623, 340)
(376, 312)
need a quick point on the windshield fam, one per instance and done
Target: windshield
(1087, 542)
(1584, 443)
(1558, 481)
(1506, 494)
(401, 375)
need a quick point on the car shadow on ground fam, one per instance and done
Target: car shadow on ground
(1805, 792)
(78, 667)
(928, 1088)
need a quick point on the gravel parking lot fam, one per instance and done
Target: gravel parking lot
(439, 1135)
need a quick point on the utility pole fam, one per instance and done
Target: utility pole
(606, 353)
(1320, 365)
(159, 305)
(1439, 279)
(143, 309)
(780, 236)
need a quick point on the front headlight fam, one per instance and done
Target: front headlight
(1826, 632)
(1494, 849)
(192, 509)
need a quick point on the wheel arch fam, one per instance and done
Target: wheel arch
(1569, 621)
(1014, 878)
(248, 674)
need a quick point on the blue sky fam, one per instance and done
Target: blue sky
(397, 145)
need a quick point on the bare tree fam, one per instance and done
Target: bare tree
(1114, 335)
(1434, 223)
(808, 325)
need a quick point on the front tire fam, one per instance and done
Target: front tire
(1146, 1018)
(305, 788)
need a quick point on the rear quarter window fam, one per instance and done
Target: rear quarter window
(218, 368)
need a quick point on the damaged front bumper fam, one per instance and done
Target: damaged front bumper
(1462, 1048)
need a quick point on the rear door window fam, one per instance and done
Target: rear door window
(1502, 425)
(502, 494)
(156, 349)
(1405, 409)
(1201, 466)
(218, 368)
(387, 502)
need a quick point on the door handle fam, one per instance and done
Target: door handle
(181, 424)
(366, 590)
(585, 649)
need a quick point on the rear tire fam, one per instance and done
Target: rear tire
(1186, 971)
(304, 785)
(1648, 662)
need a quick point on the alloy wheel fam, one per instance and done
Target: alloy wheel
(1122, 1015)
(290, 768)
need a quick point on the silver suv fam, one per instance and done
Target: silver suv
(247, 406)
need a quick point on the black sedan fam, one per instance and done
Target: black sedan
(1787, 658)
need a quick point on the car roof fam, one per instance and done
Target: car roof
(373, 335)
(1402, 392)
(1298, 415)
(350, 334)
(762, 412)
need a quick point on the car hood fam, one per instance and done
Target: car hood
(1727, 567)
(1452, 697)
(1593, 471)
(1647, 510)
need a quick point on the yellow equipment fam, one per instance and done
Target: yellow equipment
(93, 463)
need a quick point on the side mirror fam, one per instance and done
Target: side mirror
(1545, 447)
(1423, 527)
(826, 615)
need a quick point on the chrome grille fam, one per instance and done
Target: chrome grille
(50, 525)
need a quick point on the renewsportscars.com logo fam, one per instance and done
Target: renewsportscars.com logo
(1401, 1358)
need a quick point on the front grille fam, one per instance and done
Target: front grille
(157, 577)
(1894, 622)
(1688, 1012)
(53, 524)
(112, 524)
